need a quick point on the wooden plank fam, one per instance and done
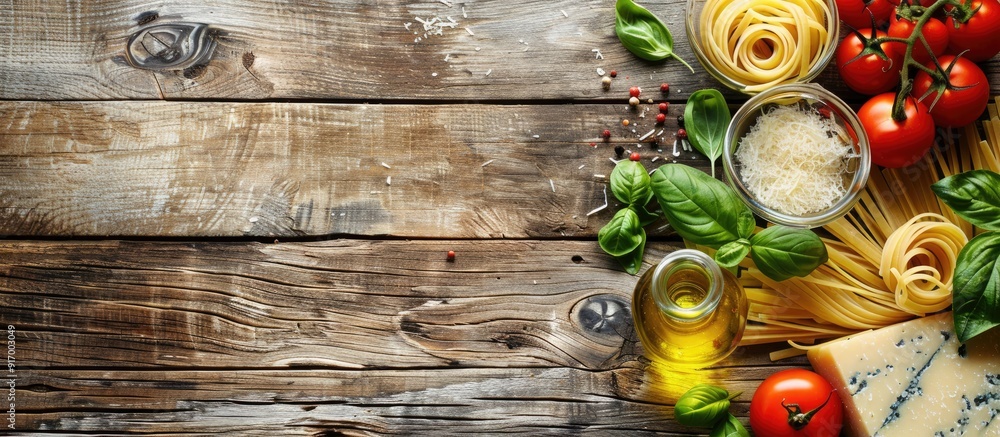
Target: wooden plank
(343, 49)
(298, 169)
(346, 304)
(348, 336)
(527, 401)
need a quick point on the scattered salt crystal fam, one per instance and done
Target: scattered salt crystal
(600, 71)
(434, 74)
(478, 49)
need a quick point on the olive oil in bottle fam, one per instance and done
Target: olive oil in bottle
(688, 311)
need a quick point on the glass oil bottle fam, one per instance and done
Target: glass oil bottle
(688, 311)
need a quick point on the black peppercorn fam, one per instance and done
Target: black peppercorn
(619, 150)
(680, 121)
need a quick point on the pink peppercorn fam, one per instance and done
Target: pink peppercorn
(682, 134)
(606, 134)
(664, 87)
(634, 156)
(660, 118)
(634, 91)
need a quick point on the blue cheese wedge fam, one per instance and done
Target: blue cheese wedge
(915, 379)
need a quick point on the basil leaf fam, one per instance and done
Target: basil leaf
(706, 117)
(702, 209)
(632, 261)
(976, 298)
(630, 183)
(702, 405)
(781, 252)
(731, 427)
(622, 234)
(643, 34)
(730, 254)
(973, 195)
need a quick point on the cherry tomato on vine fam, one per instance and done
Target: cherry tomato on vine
(961, 100)
(933, 31)
(896, 144)
(867, 68)
(796, 403)
(980, 35)
(854, 13)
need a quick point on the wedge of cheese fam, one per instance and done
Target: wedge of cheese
(915, 379)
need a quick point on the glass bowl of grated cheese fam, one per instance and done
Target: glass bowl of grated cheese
(797, 155)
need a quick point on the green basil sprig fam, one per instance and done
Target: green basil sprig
(706, 118)
(703, 405)
(623, 237)
(700, 208)
(703, 211)
(975, 196)
(707, 406)
(643, 34)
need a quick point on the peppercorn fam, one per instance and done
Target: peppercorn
(613, 73)
(664, 88)
(634, 156)
(660, 118)
(680, 120)
(618, 151)
(664, 106)
(606, 134)
(634, 91)
(682, 133)
(451, 255)
(606, 82)
(625, 122)
(633, 101)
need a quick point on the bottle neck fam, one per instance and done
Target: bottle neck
(687, 285)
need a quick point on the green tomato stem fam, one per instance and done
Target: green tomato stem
(906, 83)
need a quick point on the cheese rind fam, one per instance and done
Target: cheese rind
(915, 379)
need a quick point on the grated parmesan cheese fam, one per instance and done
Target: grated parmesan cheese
(794, 160)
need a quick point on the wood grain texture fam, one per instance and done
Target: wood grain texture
(344, 49)
(356, 336)
(296, 169)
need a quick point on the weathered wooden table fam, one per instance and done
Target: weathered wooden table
(234, 217)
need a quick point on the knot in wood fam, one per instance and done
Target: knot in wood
(173, 46)
(604, 314)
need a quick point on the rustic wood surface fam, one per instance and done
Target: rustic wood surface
(252, 239)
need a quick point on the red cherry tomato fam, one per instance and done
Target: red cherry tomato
(980, 35)
(933, 31)
(896, 144)
(792, 391)
(855, 13)
(961, 103)
(862, 68)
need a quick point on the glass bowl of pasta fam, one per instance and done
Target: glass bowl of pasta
(753, 45)
(797, 155)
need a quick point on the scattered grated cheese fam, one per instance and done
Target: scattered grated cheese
(599, 176)
(655, 158)
(487, 163)
(794, 160)
(553, 185)
(597, 54)
(470, 32)
(464, 15)
(581, 166)
(489, 71)
(446, 3)
(600, 71)
(447, 57)
(407, 25)
(535, 136)
(599, 208)
(388, 180)
(564, 13)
